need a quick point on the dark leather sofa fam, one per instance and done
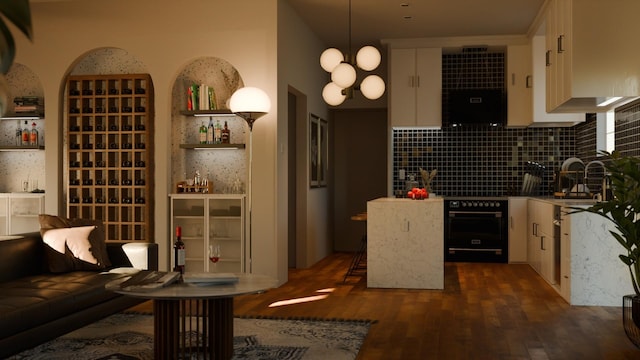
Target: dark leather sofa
(37, 306)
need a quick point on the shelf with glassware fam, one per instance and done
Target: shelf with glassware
(210, 221)
(110, 153)
(19, 212)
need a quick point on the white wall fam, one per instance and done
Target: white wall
(164, 35)
(299, 67)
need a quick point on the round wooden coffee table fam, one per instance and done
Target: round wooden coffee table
(196, 321)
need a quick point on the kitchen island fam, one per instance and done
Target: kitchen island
(405, 243)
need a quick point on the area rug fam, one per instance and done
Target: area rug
(130, 336)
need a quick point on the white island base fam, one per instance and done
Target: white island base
(405, 243)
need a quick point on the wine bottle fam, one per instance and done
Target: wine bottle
(226, 134)
(179, 252)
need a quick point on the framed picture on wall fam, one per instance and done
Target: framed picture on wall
(318, 151)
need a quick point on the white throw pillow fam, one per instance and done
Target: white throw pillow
(75, 238)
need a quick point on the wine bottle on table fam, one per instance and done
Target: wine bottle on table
(179, 252)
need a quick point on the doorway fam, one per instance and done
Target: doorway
(359, 169)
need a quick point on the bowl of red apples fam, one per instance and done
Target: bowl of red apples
(417, 193)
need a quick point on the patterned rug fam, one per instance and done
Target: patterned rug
(130, 336)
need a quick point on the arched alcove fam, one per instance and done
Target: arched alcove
(108, 143)
(223, 167)
(19, 166)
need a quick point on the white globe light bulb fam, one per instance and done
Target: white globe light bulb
(368, 58)
(330, 58)
(372, 87)
(344, 75)
(332, 94)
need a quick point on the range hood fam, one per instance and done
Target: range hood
(593, 104)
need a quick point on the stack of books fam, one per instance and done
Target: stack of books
(28, 104)
(201, 97)
(147, 280)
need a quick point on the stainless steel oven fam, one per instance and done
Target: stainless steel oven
(476, 230)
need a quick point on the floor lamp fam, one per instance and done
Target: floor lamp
(250, 103)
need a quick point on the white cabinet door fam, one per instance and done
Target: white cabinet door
(589, 66)
(547, 257)
(519, 94)
(533, 240)
(540, 115)
(518, 230)
(429, 87)
(24, 209)
(415, 87)
(4, 214)
(402, 91)
(565, 256)
(210, 220)
(541, 245)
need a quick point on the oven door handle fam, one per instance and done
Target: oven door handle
(494, 213)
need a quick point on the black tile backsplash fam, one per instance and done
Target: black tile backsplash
(491, 161)
(480, 161)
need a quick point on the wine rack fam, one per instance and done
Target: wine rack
(110, 153)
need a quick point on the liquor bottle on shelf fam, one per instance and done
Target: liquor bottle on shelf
(226, 134)
(202, 133)
(210, 131)
(179, 252)
(140, 200)
(217, 137)
(33, 135)
(25, 134)
(113, 200)
(126, 200)
(18, 135)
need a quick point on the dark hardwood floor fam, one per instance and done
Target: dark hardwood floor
(486, 311)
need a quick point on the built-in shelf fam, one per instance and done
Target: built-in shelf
(21, 148)
(23, 116)
(204, 113)
(212, 146)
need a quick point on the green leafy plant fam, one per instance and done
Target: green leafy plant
(19, 13)
(623, 210)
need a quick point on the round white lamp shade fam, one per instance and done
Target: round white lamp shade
(344, 75)
(332, 94)
(249, 100)
(372, 87)
(368, 58)
(330, 58)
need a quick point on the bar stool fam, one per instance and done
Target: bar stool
(359, 260)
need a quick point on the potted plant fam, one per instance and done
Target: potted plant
(623, 210)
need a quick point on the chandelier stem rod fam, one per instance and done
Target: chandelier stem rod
(350, 50)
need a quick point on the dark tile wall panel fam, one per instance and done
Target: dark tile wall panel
(627, 129)
(480, 161)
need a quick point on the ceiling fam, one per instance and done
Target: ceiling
(373, 20)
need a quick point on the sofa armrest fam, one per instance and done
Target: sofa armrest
(143, 256)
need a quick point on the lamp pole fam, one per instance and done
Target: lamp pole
(250, 104)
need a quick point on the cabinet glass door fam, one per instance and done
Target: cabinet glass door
(226, 230)
(4, 219)
(188, 213)
(25, 209)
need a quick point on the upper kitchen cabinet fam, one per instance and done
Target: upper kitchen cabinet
(519, 92)
(540, 116)
(591, 55)
(415, 87)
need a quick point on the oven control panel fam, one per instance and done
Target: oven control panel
(475, 204)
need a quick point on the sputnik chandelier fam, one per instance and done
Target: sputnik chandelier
(343, 72)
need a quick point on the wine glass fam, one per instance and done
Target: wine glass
(214, 255)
